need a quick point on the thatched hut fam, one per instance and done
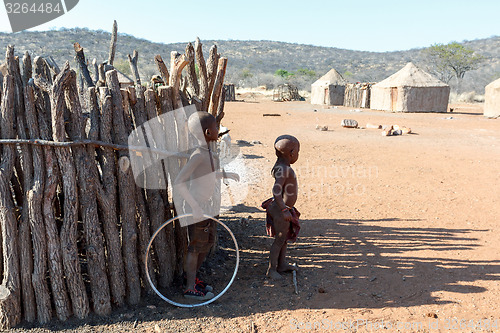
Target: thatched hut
(329, 89)
(410, 90)
(492, 100)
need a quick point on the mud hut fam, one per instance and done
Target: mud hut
(329, 89)
(410, 90)
(492, 100)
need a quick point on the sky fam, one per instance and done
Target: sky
(367, 25)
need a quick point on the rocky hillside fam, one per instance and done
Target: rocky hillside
(253, 63)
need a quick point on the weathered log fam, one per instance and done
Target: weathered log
(74, 280)
(34, 196)
(107, 199)
(212, 63)
(52, 65)
(126, 187)
(218, 85)
(220, 107)
(94, 242)
(26, 163)
(177, 63)
(202, 69)
(192, 80)
(82, 65)
(102, 75)
(95, 66)
(162, 68)
(42, 69)
(112, 45)
(133, 67)
(10, 293)
(52, 179)
(27, 68)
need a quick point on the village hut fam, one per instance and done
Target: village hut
(329, 89)
(410, 90)
(492, 100)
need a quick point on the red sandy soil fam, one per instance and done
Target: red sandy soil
(398, 231)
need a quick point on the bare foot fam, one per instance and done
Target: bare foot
(287, 268)
(274, 275)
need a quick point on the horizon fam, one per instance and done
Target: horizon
(362, 26)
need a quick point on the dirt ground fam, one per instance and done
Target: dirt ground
(398, 233)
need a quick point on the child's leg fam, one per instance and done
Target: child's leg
(282, 265)
(281, 229)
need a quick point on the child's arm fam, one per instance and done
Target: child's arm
(181, 181)
(279, 173)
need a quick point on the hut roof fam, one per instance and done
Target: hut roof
(411, 76)
(332, 77)
(122, 78)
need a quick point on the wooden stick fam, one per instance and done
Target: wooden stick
(212, 63)
(192, 80)
(177, 63)
(218, 85)
(82, 64)
(162, 68)
(10, 293)
(112, 45)
(133, 67)
(202, 69)
(294, 279)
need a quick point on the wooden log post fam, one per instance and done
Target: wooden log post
(94, 242)
(177, 63)
(218, 85)
(192, 79)
(162, 68)
(82, 65)
(112, 45)
(202, 69)
(107, 199)
(52, 179)
(127, 195)
(133, 67)
(35, 196)
(212, 63)
(95, 66)
(10, 293)
(26, 168)
(74, 280)
(27, 68)
(42, 69)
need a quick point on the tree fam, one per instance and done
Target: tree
(453, 60)
(283, 73)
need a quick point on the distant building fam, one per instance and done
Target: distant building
(410, 90)
(492, 100)
(329, 89)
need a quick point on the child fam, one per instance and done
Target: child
(282, 217)
(199, 173)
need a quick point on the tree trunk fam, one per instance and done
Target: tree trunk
(112, 46)
(58, 285)
(218, 86)
(177, 64)
(35, 193)
(133, 67)
(126, 187)
(162, 68)
(82, 65)
(94, 242)
(10, 293)
(212, 63)
(69, 249)
(192, 80)
(107, 201)
(202, 68)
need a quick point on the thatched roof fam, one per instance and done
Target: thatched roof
(332, 77)
(411, 76)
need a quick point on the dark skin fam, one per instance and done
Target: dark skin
(285, 195)
(198, 165)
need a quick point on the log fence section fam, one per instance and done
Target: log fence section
(65, 175)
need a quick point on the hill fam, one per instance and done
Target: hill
(253, 63)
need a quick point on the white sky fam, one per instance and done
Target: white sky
(368, 25)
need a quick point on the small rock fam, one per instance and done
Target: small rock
(406, 130)
(151, 307)
(373, 279)
(431, 315)
(349, 123)
(321, 290)
(373, 126)
(397, 132)
(256, 142)
(315, 110)
(322, 127)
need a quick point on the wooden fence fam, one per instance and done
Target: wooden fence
(74, 225)
(357, 95)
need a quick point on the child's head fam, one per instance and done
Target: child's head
(203, 126)
(287, 147)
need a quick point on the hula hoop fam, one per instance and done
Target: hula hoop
(210, 300)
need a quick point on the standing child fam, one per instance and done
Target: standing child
(196, 183)
(282, 217)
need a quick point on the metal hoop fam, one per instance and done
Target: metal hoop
(210, 300)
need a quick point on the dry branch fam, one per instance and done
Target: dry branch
(133, 67)
(212, 63)
(192, 80)
(177, 63)
(112, 45)
(218, 86)
(82, 64)
(202, 68)
(162, 68)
